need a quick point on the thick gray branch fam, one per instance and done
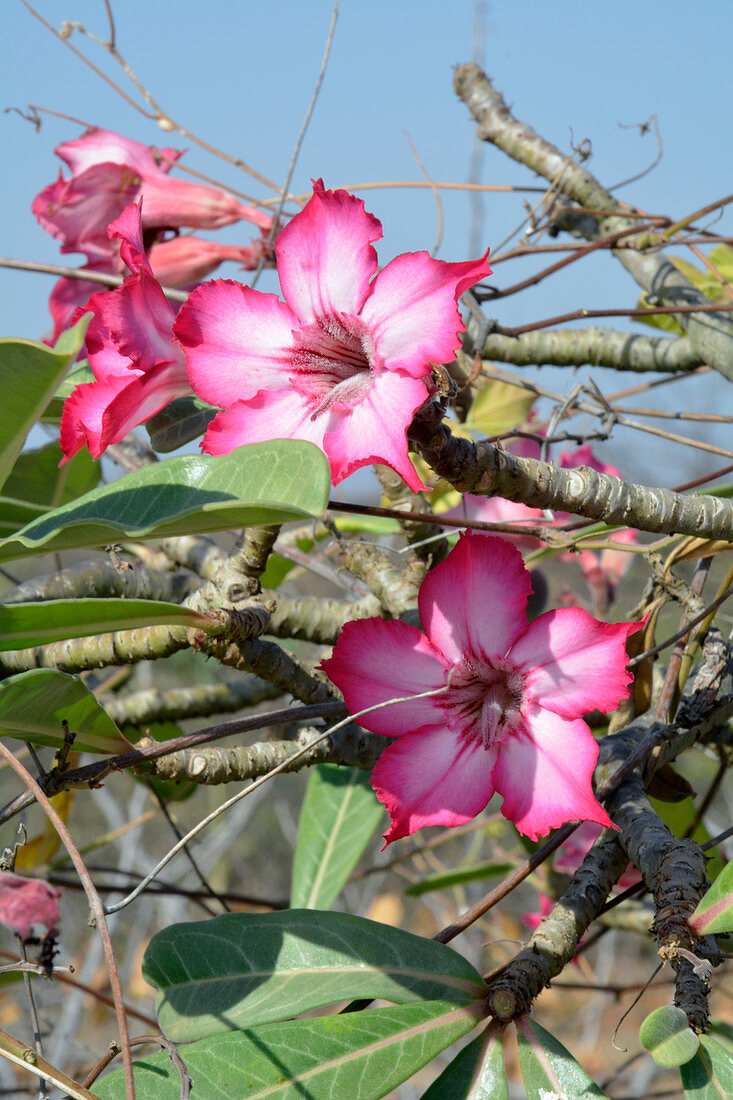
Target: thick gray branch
(104, 578)
(710, 334)
(599, 347)
(351, 746)
(140, 707)
(486, 470)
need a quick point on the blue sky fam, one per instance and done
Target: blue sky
(241, 73)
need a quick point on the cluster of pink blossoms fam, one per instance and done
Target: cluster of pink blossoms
(108, 173)
(344, 361)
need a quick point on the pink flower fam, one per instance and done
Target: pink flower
(138, 369)
(27, 901)
(345, 360)
(510, 720)
(108, 173)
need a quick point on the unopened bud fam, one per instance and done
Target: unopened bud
(166, 124)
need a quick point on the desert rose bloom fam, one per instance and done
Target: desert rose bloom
(510, 720)
(344, 360)
(28, 901)
(138, 368)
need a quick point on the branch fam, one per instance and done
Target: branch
(486, 470)
(600, 347)
(352, 747)
(138, 708)
(710, 334)
(104, 578)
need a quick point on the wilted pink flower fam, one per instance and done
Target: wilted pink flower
(344, 361)
(27, 901)
(510, 720)
(108, 173)
(138, 369)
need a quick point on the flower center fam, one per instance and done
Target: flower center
(484, 698)
(333, 361)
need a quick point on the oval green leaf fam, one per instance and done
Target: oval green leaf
(668, 1037)
(30, 624)
(339, 815)
(364, 1055)
(243, 969)
(34, 704)
(261, 483)
(178, 423)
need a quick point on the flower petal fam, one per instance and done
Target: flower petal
(374, 661)
(237, 341)
(325, 257)
(475, 601)
(575, 663)
(373, 429)
(140, 321)
(412, 309)
(544, 774)
(82, 418)
(142, 398)
(281, 414)
(432, 777)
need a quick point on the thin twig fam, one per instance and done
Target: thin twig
(95, 904)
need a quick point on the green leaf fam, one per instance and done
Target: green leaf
(33, 705)
(260, 483)
(29, 375)
(364, 1055)
(79, 374)
(459, 877)
(547, 1067)
(665, 321)
(668, 1037)
(15, 514)
(498, 407)
(709, 1075)
(242, 969)
(367, 525)
(339, 815)
(478, 1071)
(37, 477)
(182, 420)
(29, 624)
(715, 909)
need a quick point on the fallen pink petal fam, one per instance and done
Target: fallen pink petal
(344, 361)
(25, 902)
(510, 718)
